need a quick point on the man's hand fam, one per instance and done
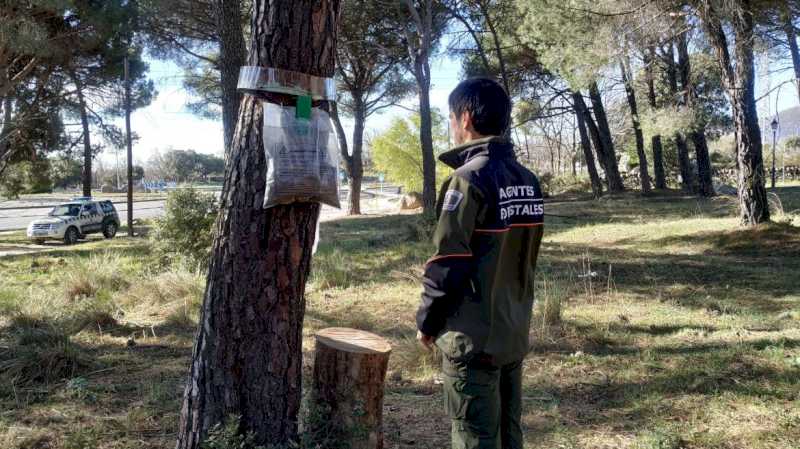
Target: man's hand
(426, 340)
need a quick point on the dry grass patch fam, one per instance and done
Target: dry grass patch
(658, 324)
(38, 351)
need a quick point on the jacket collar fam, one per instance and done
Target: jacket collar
(493, 146)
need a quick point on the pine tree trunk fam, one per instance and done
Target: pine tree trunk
(609, 160)
(353, 165)
(637, 129)
(594, 134)
(247, 359)
(791, 37)
(597, 184)
(232, 55)
(349, 370)
(5, 129)
(356, 170)
(705, 182)
(739, 80)
(704, 175)
(87, 143)
(341, 136)
(684, 164)
(655, 141)
(753, 204)
(426, 138)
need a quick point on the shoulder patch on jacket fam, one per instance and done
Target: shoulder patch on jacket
(451, 200)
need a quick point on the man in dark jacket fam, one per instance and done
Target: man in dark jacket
(477, 295)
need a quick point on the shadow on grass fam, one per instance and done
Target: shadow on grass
(771, 240)
(745, 271)
(370, 249)
(671, 373)
(790, 198)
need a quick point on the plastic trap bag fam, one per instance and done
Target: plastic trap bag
(302, 157)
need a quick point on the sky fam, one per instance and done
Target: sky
(166, 123)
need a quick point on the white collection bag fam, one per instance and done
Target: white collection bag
(302, 157)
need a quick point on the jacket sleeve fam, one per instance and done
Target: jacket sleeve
(447, 273)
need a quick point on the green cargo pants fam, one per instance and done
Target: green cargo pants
(484, 403)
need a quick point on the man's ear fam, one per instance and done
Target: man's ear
(465, 121)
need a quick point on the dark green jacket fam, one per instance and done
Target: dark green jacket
(478, 288)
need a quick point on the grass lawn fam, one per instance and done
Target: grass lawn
(659, 325)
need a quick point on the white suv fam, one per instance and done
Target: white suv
(72, 221)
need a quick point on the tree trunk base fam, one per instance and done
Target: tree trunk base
(349, 370)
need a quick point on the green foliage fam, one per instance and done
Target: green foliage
(397, 151)
(792, 143)
(138, 172)
(65, 172)
(12, 183)
(226, 436)
(185, 165)
(38, 173)
(202, 81)
(568, 183)
(666, 121)
(26, 177)
(56, 49)
(369, 58)
(185, 230)
(571, 42)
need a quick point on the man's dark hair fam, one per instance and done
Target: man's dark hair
(486, 101)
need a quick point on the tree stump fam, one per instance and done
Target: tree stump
(349, 370)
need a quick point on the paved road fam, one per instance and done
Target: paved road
(15, 219)
(19, 218)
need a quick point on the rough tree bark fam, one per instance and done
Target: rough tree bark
(594, 134)
(426, 140)
(247, 358)
(609, 160)
(791, 37)
(349, 370)
(7, 104)
(87, 143)
(655, 141)
(232, 55)
(353, 163)
(597, 183)
(419, 44)
(684, 165)
(353, 166)
(705, 182)
(739, 80)
(355, 172)
(644, 175)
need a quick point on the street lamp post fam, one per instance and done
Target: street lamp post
(774, 125)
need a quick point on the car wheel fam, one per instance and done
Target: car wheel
(109, 230)
(71, 236)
